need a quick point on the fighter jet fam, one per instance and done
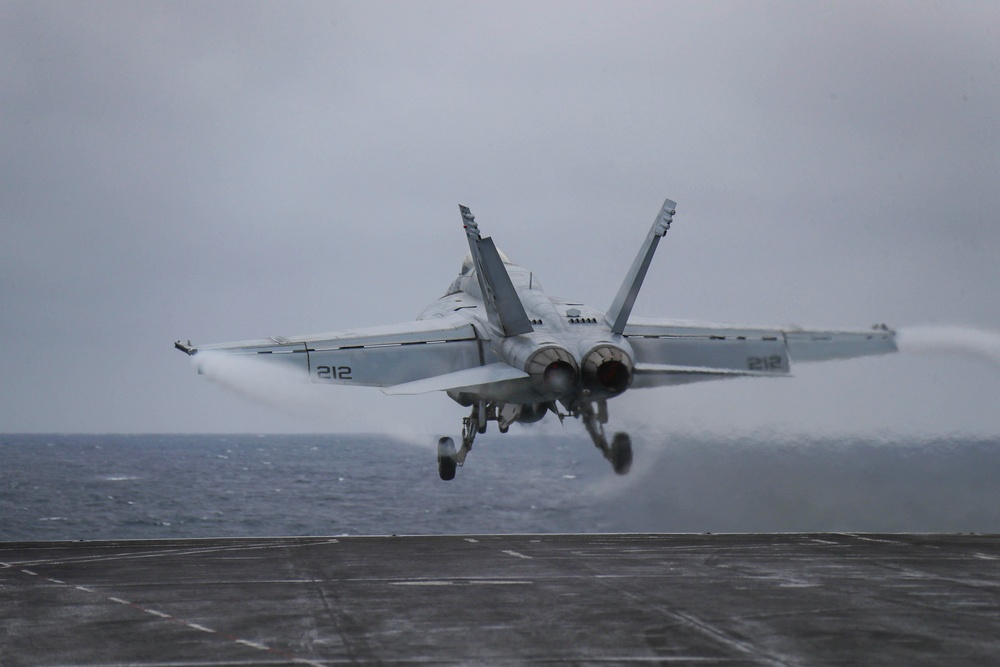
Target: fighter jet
(498, 344)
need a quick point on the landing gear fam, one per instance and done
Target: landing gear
(446, 459)
(619, 453)
(593, 413)
(471, 425)
(449, 460)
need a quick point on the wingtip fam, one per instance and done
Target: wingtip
(187, 348)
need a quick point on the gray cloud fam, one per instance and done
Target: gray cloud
(232, 170)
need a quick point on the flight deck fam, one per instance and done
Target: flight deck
(784, 599)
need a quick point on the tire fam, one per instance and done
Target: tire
(621, 453)
(447, 468)
(446, 459)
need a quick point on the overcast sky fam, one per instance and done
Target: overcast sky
(222, 171)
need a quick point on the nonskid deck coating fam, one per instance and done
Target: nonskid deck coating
(786, 599)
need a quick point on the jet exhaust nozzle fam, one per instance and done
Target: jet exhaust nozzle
(607, 369)
(553, 371)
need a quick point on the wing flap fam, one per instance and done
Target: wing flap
(828, 345)
(670, 369)
(679, 351)
(718, 351)
(377, 356)
(660, 375)
(463, 379)
(438, 329)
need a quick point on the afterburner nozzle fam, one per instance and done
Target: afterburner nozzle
(607, 369)
(559, 376)
(553, 371)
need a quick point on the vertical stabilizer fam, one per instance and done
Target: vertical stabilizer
(503, 307)
(618, 314)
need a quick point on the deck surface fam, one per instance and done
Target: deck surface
(823, 599)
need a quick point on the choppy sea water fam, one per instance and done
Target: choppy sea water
(84, 487)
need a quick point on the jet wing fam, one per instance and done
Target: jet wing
(376, 357)
(671, 352)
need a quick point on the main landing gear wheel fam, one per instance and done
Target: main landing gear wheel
(447, 464)
(621, 453)
(449, 459)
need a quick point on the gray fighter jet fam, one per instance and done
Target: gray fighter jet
(498, 344)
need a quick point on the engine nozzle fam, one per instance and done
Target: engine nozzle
(607, 369)
(559, 376)
(553, 371)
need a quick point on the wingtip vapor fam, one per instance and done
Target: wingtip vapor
(498, 344)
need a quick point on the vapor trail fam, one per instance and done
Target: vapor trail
(284, 387)
(950, 339)
(272, 384)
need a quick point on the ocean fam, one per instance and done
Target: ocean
(90, 487)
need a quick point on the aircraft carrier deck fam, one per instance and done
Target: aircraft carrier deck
(786, 599)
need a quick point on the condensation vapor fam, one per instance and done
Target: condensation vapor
(950, 339)
(285, 388)
(659, 446)
(275, 385)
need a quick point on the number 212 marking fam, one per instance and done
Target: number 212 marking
(333, 372)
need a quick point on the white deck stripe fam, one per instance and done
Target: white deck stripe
(247, 642)
(202, 628)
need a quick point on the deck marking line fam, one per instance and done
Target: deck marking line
(655, 659)
(429, 582)
(870, 539)
(462, 582)
(247, 642)
(188, 551)
(189, 624)
(723, 637)
(516, 554)
(202, 628)
(710, 630)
